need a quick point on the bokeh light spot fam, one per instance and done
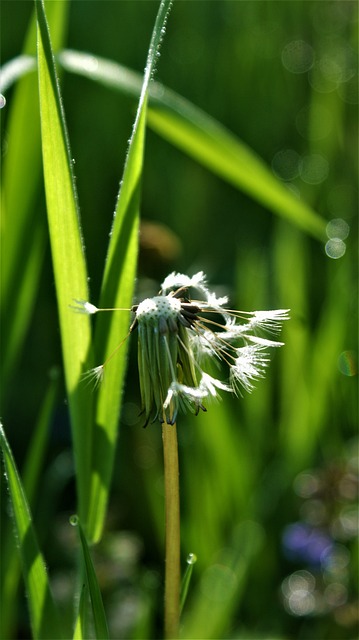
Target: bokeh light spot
(306, 484)
(348, 364)
(335, 248)
(297, 56)
(314, 168)
(285, 164)
(298, 591)
(218, 583)
(337, 228)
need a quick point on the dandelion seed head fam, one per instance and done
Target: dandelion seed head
(157, 307)
(180, 331)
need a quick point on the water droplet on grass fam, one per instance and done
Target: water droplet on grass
(191, 558)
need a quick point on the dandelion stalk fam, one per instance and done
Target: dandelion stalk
(172, 510)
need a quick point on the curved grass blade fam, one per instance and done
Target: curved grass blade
(117, 291)
(204, 139)
(213, 146)
(67, 255)
(98, 611)
(43, 613)
(10, 568)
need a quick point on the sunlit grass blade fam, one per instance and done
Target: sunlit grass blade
(203, 138)
(43, 613)
(10, 568)
(67, 255)
(214, 146)
(80, 632)
(22, 259)
(117, 291)
(98, 612)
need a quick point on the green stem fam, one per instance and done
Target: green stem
(172, 570)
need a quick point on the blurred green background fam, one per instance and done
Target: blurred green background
(268, 481)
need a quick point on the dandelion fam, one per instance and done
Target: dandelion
(183, 332)
(184, 329)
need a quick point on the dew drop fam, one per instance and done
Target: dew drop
(2, 101)
(74, 520)
(191, 558)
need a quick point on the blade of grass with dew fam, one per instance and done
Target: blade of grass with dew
(21, 259)
(43, 613)
(203, 138)
(117, 291)
(34, 461)
(98, 612)
(67, 255)
(191, 560)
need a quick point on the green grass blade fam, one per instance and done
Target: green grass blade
(117, 291)
(43, 614)
(22, 260)
(67, 255)
(80, 632)
(98, 612)
(10, 568)
(204, 139)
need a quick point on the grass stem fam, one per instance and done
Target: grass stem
(172, 508)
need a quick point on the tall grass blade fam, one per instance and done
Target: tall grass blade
(98, 612)
(22, 259)
(10, 568)
(43, 614)
(117, 291)
(67, 255)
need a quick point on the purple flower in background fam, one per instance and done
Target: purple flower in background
(304, 543)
